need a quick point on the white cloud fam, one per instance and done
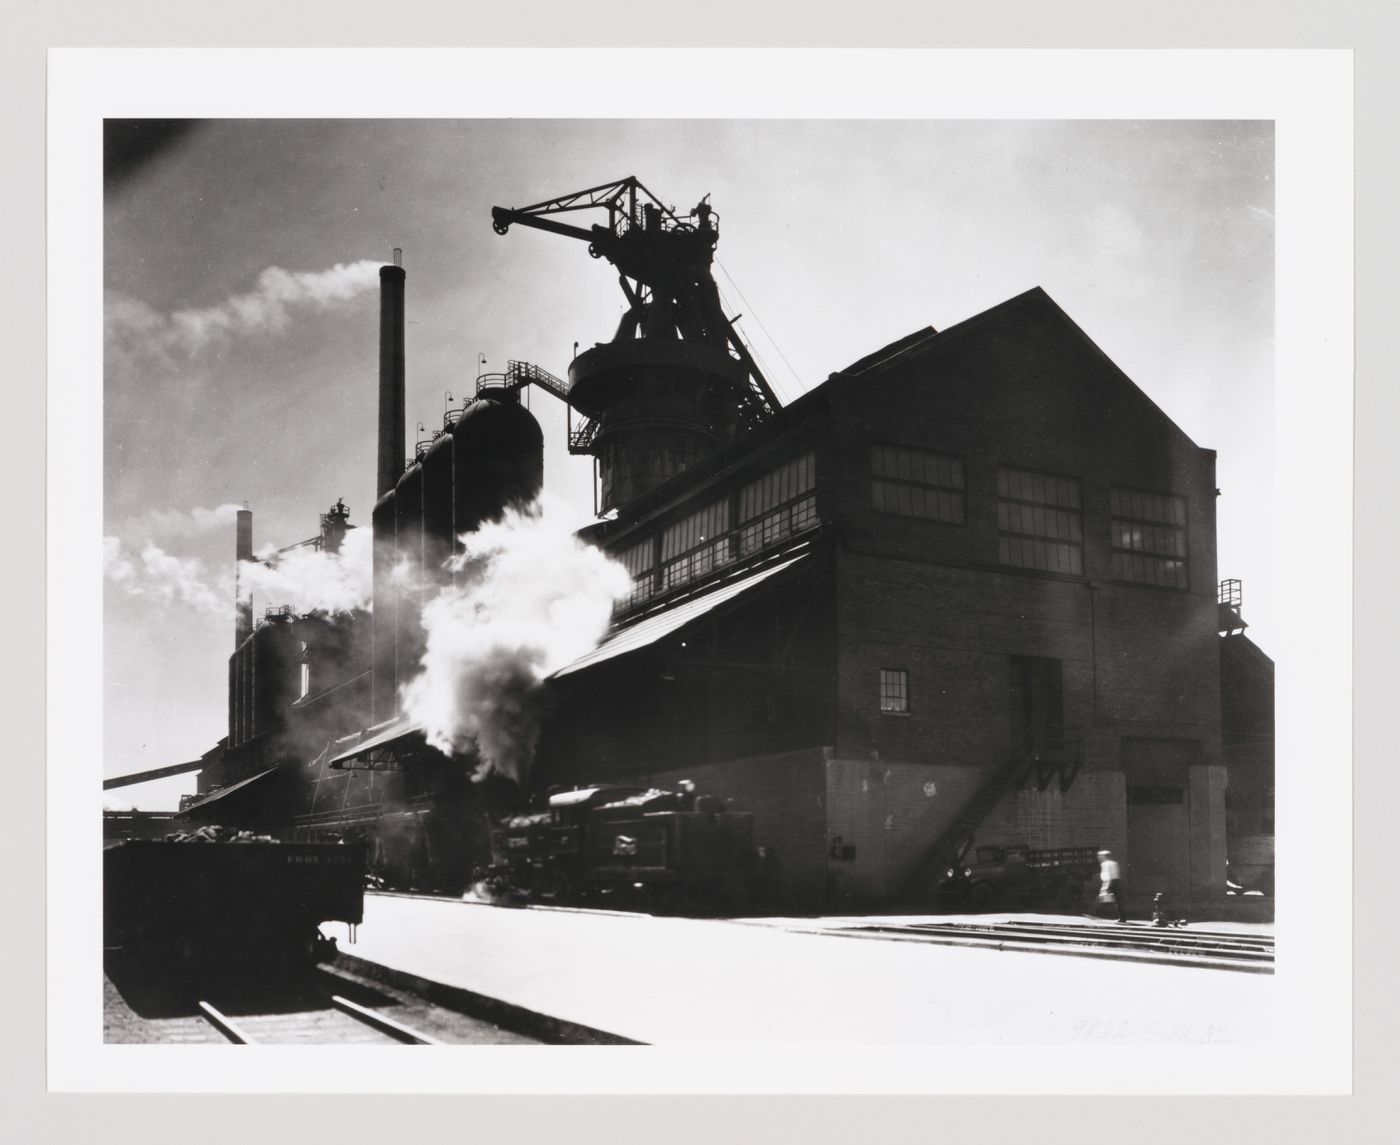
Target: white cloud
(160, 577)
(172, 523)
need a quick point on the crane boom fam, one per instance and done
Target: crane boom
(664, 268)
(676, 382)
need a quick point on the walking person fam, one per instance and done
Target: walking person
(1111, 878)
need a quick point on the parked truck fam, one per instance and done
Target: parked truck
(1015, 875)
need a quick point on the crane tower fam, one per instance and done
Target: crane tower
(676, 381)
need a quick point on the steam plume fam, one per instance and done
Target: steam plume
(530, 598)
(135, 327)
(311, 580)
(306, 579)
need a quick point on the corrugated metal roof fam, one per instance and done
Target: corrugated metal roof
(381, 735)
(653, 628)
(216, 796)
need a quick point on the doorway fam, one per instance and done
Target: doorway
(1037, 702)
(1157, 775)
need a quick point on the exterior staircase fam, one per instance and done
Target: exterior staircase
(1043, 753)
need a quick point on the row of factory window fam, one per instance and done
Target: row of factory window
(1039, 515)
(762, 514)
(1039, 521)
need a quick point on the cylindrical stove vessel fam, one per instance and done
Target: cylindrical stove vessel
(660, 406)
(383, 620)
(498, 460)
(408, 531)
(437, 512)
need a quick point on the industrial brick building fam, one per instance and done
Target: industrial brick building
(966, 586)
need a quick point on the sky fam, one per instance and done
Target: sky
(241, 316)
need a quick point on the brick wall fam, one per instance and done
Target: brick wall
(1207, 796)
(787, 797)
(1018, 386)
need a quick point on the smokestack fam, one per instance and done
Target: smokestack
(391, 374)
(243, 551)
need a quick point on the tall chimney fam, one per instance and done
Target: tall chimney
(391, 374)
(243, 551)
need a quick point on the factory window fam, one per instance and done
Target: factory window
(695, 546)
(778, 505)
(1149, 538)
(640, 563)
(305, 680)
(894, 692)
(916, 483)
(1038, 518)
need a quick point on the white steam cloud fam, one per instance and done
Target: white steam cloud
(135, 327)
(530, 598)
(155, 574)
(307, 579)
(312, 580)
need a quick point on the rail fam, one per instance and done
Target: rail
(1229, 602)
(494, 381)
(1050, 750)
(1132, 942)
(392, 1029)
(581, 439)
(772, 530)
(527, 373)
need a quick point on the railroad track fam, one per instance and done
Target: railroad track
(330, 1018)
(324, 1007)
(1177, 946)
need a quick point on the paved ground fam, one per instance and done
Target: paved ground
(687, 982)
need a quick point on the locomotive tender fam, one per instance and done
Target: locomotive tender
(673, 850)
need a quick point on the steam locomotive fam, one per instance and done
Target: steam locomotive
(634, 847)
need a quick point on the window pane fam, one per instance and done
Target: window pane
(917, 484)
(894, 690)
(1043, 509)
(1153, 525)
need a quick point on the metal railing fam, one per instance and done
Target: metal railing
(707, 560)
(581, 439)
(1230, 597)
(1050, 749)
(527, 373)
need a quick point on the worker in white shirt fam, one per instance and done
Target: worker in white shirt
(1111, 876)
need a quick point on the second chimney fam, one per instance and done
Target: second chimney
(391, 374)
(243, 551)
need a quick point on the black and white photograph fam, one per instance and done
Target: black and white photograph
(711, 582)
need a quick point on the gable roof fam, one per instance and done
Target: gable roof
(1003, 315)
